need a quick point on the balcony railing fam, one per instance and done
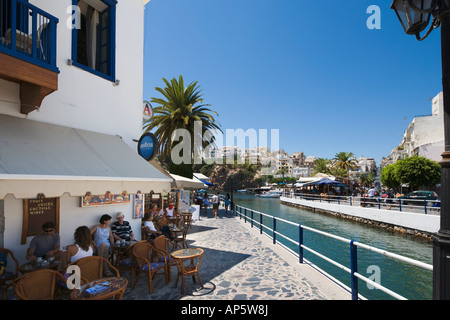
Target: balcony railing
(28, 33)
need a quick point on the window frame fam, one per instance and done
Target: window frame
(112, 48)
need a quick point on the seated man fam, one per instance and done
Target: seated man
(46, 244)
(121, 229)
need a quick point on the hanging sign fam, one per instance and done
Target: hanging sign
(148, 146)
(148, 111)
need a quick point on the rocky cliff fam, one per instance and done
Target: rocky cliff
(227, 177)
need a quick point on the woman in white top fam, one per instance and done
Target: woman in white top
(83, 247)
(149, 226)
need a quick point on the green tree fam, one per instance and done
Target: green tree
(388, 176)
(366, 179)
(179, 108)
(418, 171)
(321, 165)
(345, 161)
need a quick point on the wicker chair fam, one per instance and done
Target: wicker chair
(7, 276)
(129, 263)
(144, 234)
(161, 243)
(182, 239)
(38, 285)
(92, 268)
(142, 253)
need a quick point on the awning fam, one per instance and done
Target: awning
(37, 157)
(207, 183)
(183, 182)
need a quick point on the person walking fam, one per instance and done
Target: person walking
(227, 203)
(215, 202)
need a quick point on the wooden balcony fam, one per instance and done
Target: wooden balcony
(28, 55)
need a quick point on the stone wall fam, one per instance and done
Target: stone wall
(418, 225)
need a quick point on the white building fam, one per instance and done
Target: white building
(298, 172)
(71, 103)
(424, 135)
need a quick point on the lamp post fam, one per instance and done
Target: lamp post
(415, 15)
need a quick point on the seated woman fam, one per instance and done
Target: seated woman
(152, 230)
(103, 239)
(82, 247)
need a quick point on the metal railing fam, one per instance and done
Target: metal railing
(394, 204)
(28, 33)
(256, 217)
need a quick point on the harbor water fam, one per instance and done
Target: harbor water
(411, 282)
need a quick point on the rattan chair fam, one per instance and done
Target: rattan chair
(92, 267)
(161, 243)
(7, 276)
(38, 285)
(182, 239)
(142, 253)
(129, 263)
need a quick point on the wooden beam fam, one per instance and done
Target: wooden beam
(35, 82)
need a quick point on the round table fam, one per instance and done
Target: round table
(34, 266)
(195, 256)
(101, 289)
(119, 251)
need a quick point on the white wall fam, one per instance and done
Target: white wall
(72, 215)
(84, 100)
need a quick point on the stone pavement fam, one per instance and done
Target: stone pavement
(238, 264)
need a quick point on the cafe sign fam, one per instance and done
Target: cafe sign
(36, 212)
(148, 146)
(147, 112)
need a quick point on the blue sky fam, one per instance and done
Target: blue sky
(311, 69)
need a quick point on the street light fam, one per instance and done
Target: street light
(414, 15)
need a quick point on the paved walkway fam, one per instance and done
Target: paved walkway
(238, 264)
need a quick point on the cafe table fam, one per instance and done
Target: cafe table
(193, 257)
(34, 266)
(120, 251)
(111, 288)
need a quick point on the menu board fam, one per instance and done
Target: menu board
(36, 212)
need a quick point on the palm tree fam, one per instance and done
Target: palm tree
(321, 165)
(180, 108)
(345, 161)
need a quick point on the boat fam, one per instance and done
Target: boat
(242, 190)
(270, 194)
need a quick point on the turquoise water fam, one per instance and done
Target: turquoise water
(411, 282)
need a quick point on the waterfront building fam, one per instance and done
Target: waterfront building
(71, 110)
(423, 137)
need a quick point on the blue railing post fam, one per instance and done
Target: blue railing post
(351, 200)
(251, 215)
(53, 38)
(245, 215)
(13, 24)
(400, 204)
(354, 269)
(274, 236)
(300, 243)
(379, 203)
(425, 205)
(34, 39)
(260, 223)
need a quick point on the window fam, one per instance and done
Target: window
(94, 42)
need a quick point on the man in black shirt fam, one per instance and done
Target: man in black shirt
(121, 229)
